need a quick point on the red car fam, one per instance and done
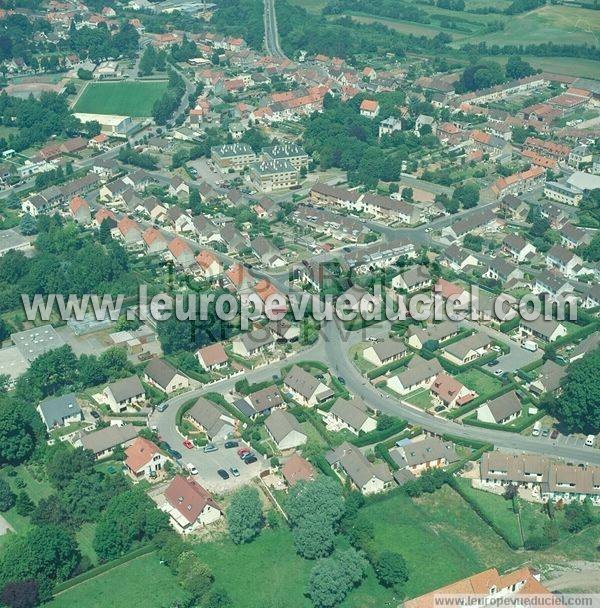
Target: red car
(188, 444)
(242, 452)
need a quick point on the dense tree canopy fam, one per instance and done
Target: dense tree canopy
(244, 515)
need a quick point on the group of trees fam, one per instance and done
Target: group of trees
(152, 60)
(245, 517)
(100, 43)
(165, 106)
(67, 262)
(484, 74)
(577, 407)
(138, 159)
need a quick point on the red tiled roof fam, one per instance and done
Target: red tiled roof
(189, 498)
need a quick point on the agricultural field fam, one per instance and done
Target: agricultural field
(141, 582)
(134, 99)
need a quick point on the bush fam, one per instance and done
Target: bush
(7, 497)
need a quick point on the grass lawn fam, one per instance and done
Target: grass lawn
(479, 382)
(496, 508)
(85, 538)
(271, 557)
(34, 488)
(421, 398)
(141, 582)
(441, 538)
(312, 6)
(120, 98)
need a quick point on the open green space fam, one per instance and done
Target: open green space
(141, 582)
(438, 551)
(421, 398)
(312, 6)
(478, 381)
(121, 98)
(85, 540)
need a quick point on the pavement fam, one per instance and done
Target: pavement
(271, 33)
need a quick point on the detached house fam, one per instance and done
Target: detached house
(253, 343)
(305, 388)
(418, 336)
(351, 415)
(189, 505)
(413, 279)
(143, 459)
(212, 419)
(125, 394)
(502, 410)
(285, 430)
(382, 353)
(212, 357)
(419, 373)
(564, 260)
(177, 187)
(425, 454)
(546, 331)
(59, 411)
(209, 266)
(468, 349)
(154, 241)
(264, 401)
(517, 247)
(180, 252)
(164, 376)
(103, 442)
(80, 210)
(449, 392)
(457, 258)
(366, 477)
(369, 108)
(130, 232)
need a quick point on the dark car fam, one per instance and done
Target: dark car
(251, 458)
(554, 434)
(95, 414)
(175, 454)
(231, 444)
(223, 474)
(492, 363)
(247, 455)
(342, 380)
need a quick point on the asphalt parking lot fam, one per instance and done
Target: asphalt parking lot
(208, 463)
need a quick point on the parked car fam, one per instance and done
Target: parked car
(247, 455)
(342, 379)
(545, 432)
(590, 440)
(210, 447)
(231, 444)
(243, 451)
(191, 469)
(251, 458)
(161, 407)
(554, 434)
(95, 414)
(493, 362)
(498, 372)
(175, 454)
(234, 471)
(188, 444)
(223, 474)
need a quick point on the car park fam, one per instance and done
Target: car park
(210, 447)
(231, 444)
(223, 474)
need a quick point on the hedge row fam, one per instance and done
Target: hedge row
(521, 425)
(81, 578)
(220, 400)
(579, 333)
(384, 369)
(377, 436)
(475, 506)
(382, 452)
(183, 410)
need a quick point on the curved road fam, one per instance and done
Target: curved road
(332, 348)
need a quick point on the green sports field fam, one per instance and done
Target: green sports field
(121, 98)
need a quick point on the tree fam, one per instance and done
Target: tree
(28, 225)
(333, 577)
(217, 598)
(313, 537)
(577, 516)
(467, 195)
(578, 406)
(24, 504)
(194, 576)
(319, 497)
(510, 491)
(44, 554)
(517, 68)
(50, 511)
(7, 497)
(245, 516)
(84, 74)
(19, 425)
(391, 569)
(22, 594)
(64, 463)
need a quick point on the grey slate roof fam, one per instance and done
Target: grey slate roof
(356, 465)
(55, 409)
(280, 424)
(126, 388)
(209, 415)
(504, 406)
(302, 382)
(108, 438)
(265, 399)
(353, 412)
(161, 372)
(473, 342)
(389, 348)
(421, 452)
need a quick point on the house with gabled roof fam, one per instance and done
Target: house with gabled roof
(130, 232)
(350, 414)
(366, 477)
(501, 410)
(104, 441)
(417, 336)
(564, 260)
(212, 357)
(449, 392)
(212, 419)
(154, 240)
(296, 469)
(458, 258)
(413, 279)
(189, 505)
(143, 459)
(545, 330)
(180, 252)
(518, 248)
(252, 343)
(285, 430)
(422, 454)
(468, 349)
(382, 353)
(264, 401)
(80, 210)
(419, 373)
(305, 388)
(162, 375)
(499, 269)
(125, 394)
(208, 264)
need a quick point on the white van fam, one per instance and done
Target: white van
(191, 469)
(590, 440)
(537, 427)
